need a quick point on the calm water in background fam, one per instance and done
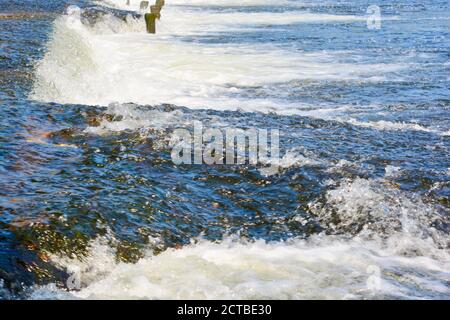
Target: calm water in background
(88, 188)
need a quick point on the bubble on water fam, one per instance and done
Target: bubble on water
(392, 171)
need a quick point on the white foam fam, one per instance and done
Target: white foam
(389, 125)
(323, 267)
(296, 157)
(207, 22)
(118, 62)
(392, 171)
(374, 205)
(238, 3)
(135, 4)
(182, 21)
(399, 256)
(133, 118)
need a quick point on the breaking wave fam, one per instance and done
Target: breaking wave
(394, 251)
(114, 60)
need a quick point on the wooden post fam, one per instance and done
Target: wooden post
(156, 10)
(155, 13)
(150, 20)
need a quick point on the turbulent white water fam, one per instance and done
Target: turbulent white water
(118, 62)
(396, 255)
(383, 243)
(134, 4)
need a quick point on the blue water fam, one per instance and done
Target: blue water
(64, 185)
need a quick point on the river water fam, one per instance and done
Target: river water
(92, 205)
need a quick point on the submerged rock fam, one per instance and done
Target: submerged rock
(91, 15)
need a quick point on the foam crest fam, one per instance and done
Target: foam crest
(86, 68)
(396, 254)
(135, 4)
(134, 118)
(364, 206)
(234, 3)
(174, 21)
(178, 20)
(296, 157)
(401, 126)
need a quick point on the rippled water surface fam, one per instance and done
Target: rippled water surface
(89, 193)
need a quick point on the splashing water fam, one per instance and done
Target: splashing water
(93, 207)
